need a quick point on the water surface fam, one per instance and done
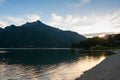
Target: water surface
(62, 64)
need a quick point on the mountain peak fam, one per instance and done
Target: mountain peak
(38, 22)
(37, 34)
(10, 27)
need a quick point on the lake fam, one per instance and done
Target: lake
(51, 64)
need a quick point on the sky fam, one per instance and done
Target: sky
(87, 17)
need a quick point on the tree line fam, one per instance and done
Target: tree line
(111, 41)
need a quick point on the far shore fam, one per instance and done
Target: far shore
(108, 69)
(32, 48)
(76, 49)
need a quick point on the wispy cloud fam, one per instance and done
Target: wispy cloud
(22, 20)
(32, 18)
(8, 20)
(101, 34)
(79, 3)
(56, 20)
(1, 1)
(109, 22)
(3, 23)
(88, 24)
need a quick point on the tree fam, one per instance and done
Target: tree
(117, 40)
(90, 42)
(110, 41)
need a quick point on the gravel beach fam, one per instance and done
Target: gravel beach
(108, 69)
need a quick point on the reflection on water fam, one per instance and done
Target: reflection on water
(46, 64)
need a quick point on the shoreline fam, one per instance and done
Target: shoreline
(108, 69)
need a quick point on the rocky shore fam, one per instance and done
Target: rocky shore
(108, 69)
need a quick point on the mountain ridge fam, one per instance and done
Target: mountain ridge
(37, 34)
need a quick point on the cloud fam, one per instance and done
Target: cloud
(24, 19)
(32, 18)
(16, 20)
(87, 24)
(101, 34)
(8, 20)
(109, 22)
(79, 3)
(1, 1)
(72, 21)
(2, 23)
(56, 20)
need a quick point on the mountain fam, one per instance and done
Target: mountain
(37, 34)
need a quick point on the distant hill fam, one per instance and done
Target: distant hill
(37, 34)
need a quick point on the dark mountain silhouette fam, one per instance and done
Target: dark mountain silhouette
(37, 34)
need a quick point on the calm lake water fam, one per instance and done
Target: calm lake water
(47, 64)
